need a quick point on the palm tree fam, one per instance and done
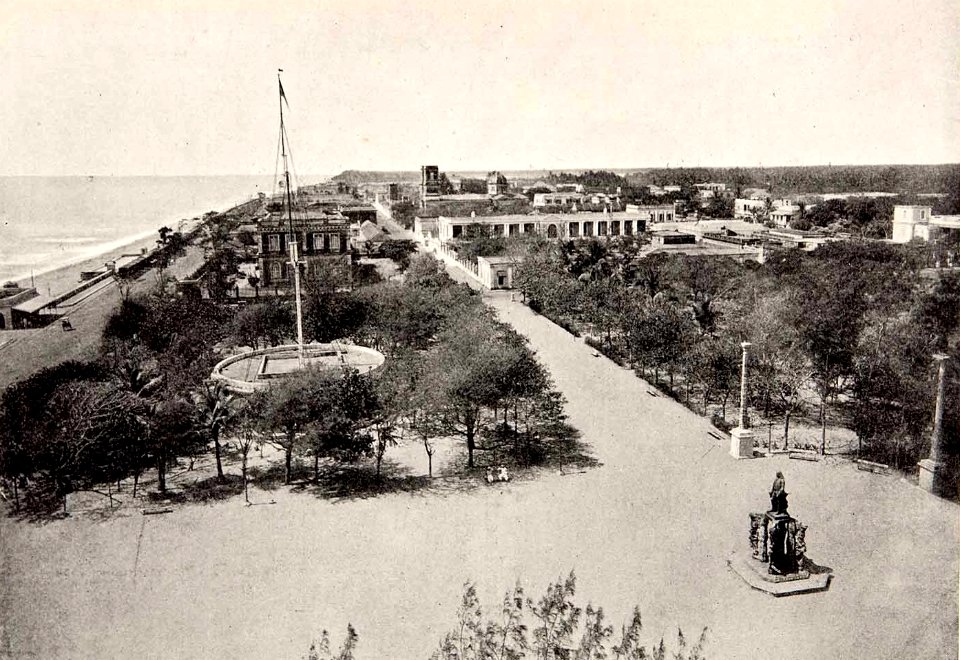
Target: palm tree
(215, 406)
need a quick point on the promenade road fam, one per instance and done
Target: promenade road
(45, 347)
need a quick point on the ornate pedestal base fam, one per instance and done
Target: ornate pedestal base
(776, 561)
(741, 442)
(809, 578)
(931, 476)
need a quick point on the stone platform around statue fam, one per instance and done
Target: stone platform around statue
(811, 578)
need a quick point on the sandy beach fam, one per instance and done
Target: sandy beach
(63, 278)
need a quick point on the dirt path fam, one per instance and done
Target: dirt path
(652, 526)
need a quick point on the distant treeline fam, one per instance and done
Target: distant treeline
(813, 179)
(905, 179)
(356, 177)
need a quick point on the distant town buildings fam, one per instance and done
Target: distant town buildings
(561, 199)
(551, 225)
(748, 208)
(429, 183)
(918, 222)
(783, 215)
(437, 196)
(497, 184)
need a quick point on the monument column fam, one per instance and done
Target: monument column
(741, 438)
(931, 468)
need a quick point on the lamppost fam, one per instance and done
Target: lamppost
(741, 438)
(932, 467)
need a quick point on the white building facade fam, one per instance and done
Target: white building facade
(918, 222)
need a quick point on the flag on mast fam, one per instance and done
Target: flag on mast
(283, 97)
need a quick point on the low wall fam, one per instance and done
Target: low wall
(249, 387)
(449, 256)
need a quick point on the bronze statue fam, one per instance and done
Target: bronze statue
(778, 495)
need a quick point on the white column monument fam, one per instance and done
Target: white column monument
(931, 468)
(741, 438)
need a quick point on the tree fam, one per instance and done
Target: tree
(556, 620)
(245, 423)
(263, 324)
(331, 314)
(399, 251)
(170, 245)
(171, 433)
(557, 617)
(427, 271)
(892, 386)
(465, 365)
(715, 366)
(720, 206)
(827, 213)
(286, 413)
(344, 406)
(79, 438)
(321, 650)
(780, 366)
(215, 406)
(937, 311)
(221, 259)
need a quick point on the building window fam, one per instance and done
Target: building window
(628, 227)
(276, 271)
(334, 242)
(273, 243)
(457, 231)
(318, 242)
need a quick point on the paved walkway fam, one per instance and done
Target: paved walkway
(653, 526)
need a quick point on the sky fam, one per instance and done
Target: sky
(177, 88)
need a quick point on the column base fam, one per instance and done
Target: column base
(932, 476)
(741, 442)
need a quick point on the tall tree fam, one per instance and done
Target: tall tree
(215, 406)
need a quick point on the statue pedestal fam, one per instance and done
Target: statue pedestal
(741, 442)
(931, 476)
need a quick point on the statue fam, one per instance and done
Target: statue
(801, 543)
(778, 496)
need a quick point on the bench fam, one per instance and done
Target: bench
(875, 468)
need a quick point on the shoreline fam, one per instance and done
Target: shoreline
(63, 277)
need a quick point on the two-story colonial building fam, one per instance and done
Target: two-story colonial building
(321, 234)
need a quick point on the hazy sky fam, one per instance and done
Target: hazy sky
(143, 87)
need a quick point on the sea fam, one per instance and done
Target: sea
(50, 222)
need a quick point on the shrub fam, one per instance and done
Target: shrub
(717, 420)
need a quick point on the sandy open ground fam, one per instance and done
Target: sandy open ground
(653, 526)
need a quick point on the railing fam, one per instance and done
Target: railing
(452, 258)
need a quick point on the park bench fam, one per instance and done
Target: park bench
(875, 468)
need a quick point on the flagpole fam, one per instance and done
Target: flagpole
(294, 256)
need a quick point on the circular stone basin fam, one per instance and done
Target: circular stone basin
(255, 370)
